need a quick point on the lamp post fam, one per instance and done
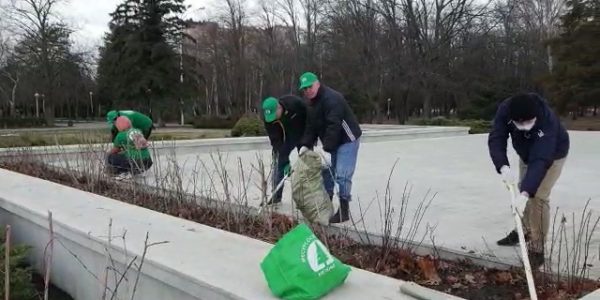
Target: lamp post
(44, 104)
(389, 101)
(181, 81)
(91, 104)
(37, 106)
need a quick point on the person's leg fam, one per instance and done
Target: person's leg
(344, 171)
(117, 163)
(283, 159)
(328, 175)
(536, 217)
(148, 164)
(140, 166)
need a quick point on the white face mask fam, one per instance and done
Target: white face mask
(526, 125)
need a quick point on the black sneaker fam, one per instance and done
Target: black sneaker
(536, 260)
(511, 239)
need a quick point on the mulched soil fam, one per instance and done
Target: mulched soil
(462, 278)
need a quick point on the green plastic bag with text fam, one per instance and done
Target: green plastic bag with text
(300, 267)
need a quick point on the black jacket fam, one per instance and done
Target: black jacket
(290, 127)
(330, 119)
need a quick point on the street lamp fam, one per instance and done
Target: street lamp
(92, 103)
(389, 100)
(37, 106)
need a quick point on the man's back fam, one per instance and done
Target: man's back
(133, 143)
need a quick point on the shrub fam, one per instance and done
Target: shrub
(21, 286)
(213, 122)
(477, 126)
(22, 122)
(249, 125)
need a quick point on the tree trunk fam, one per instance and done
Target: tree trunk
(49, 114)
(426, 104)
(550, 59)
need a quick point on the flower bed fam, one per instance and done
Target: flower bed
(462, 278)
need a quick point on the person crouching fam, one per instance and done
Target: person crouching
(129, 155)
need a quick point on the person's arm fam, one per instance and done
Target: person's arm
(276, 134)
(498, 137)
(334, 115)
(118, 143)
(113, 132)
(309, 139)
(541, 157)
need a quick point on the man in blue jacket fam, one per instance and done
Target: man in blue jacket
(332, 121)
(542, 144)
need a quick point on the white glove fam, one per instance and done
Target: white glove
(508, 176)
(325, 159)
(302, 150)
(520, 203)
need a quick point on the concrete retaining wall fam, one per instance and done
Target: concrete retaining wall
(198, 262)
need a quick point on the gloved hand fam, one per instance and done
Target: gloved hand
(325, 159)
(302, 150)
(287, 170)
(508, 176)
(520, 203)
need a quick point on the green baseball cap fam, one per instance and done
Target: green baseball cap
(269, 106)
(307, 79)
(111, 115)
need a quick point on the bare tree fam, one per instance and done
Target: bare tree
(312, 13)
(290, 18)
(541, 19)
(9, 70)
(45, 43)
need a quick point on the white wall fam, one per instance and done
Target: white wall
(199, 262)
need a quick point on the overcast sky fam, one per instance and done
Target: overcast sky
(90, 17)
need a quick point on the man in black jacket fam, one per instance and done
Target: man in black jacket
(285, 119)
(333, 122)
(542, 144)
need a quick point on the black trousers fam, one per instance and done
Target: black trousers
(119, 163)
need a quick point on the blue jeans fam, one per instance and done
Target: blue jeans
(343, 163)
(283, 158)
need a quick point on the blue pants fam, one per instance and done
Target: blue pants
(283, 158)
(343, 163)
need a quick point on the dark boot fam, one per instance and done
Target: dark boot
(536, 260)
(511, 239)
(343, 213)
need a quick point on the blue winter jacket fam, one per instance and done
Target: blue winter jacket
(546, 142)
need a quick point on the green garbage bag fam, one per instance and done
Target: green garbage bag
(300, 267)
(308, 190)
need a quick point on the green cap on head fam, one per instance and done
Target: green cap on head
(307, 79)
(111, 115)
(269, 106)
